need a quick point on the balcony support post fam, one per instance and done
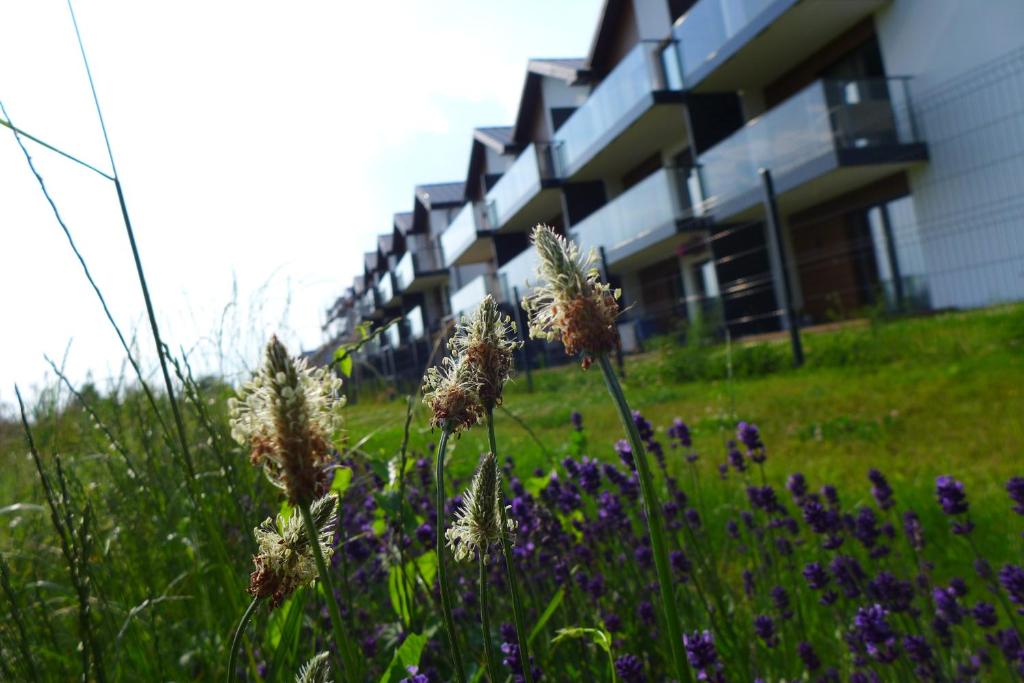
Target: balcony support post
(607, 278)
(890, 253)
(780, 270)
(524, 336)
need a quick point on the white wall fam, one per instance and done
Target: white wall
(966, 58)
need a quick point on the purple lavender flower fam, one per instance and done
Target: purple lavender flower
(913, 530)
(764, 628)
(1009, 643)
(748, 435)
(736, 458)
(701, 653)
(414, 675)
(797, 486)
(894, 594)
(865, 527)
(780, 599)
(946, 604)
(643, 555)
(984, 615)
(1012, 578)
(612, 622)
(816, 576)
(1015, 487)
(748, 582)
(630, 669)
(808, 656)
(951, 495)
(692, 518)
(849, 575)
(873, 631)
(920, 654)
(831, 495)
(880, 489)
(577, 420)
(645, 610)
(425, 533)
(680, 434)
(589, 475)
(679, 562)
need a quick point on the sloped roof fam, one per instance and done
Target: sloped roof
(498, 138)
(573, 71)
(385, 243)
(402, 221)
(440, 195)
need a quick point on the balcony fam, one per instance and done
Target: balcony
(519, 275)
(473, 292)
(392, 336)
(654, 210)
(415, 323)
(516, 202)
(830, 138)
(735, 44)
(606, 131)
(420, 269)
(388, 290)
(462, 242)
(369, 303)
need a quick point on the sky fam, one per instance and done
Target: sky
(261, 147)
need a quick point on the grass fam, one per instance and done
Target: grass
(913, 397)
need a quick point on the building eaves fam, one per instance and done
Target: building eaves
(498, 138)
(386, 243)
(441, 195)
(572, 71)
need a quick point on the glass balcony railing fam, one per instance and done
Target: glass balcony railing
(369, 301)
(708, 25)
(417, 262)
(472, 293)
(392, 336)
(638, 74)
(825, 117)
(518, 184)
(459, 235)
(657, 201)
(414, 323)
(517, 273)
(386, 289)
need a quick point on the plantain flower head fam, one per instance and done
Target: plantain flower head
(487, 340)
(316, 670)
(477, 524)
(451, 391)
(285, 559)
(572, 304)
(288, 414)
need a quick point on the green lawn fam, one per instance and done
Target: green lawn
(915, 398)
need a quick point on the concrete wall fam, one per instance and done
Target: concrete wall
(966, 58)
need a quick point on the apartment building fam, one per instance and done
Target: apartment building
(883, 138)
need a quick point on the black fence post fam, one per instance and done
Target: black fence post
(780, 271)
(607, 278)
(524, 336)
(891, 257)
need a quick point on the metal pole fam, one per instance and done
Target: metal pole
(890, 252)
(523, 337)
(780, 272)
(607, 278)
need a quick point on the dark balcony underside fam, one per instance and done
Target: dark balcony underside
(822, 179)
(652, 245)
(478, 251)
(656, 120)
(777, 40)
(426, 280)
(538, 208)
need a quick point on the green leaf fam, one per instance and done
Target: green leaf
(546, 616)
(424, 565)
(345, 365)
(601, 637)
(342, 478)
(400, 594)
(533, 485)
(405, 656)
(283, 627)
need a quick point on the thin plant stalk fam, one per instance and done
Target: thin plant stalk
(485, 624)
(442, 569)
(654, 524)
(518, 616)
(341, 640)
(236, 640)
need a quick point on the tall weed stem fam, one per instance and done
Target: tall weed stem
(442, 569)
(506, 549)
(485, 624)
(236, 640)
(654, 525)
(341, 641)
